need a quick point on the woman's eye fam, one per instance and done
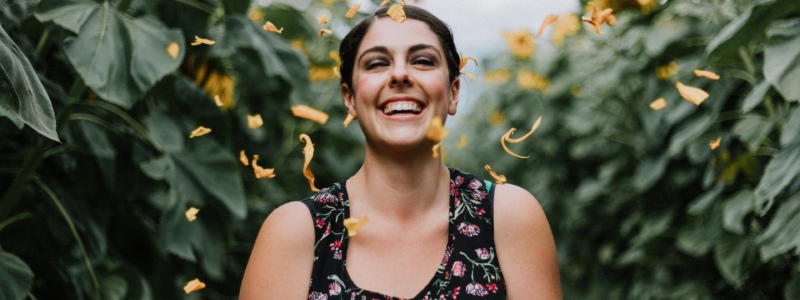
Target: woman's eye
(424, 61)
(376, 63)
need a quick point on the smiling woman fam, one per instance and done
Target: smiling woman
(433, 231)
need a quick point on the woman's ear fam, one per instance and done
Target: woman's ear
(349, 100)
(454, 87)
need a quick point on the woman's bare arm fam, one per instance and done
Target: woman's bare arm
(282, 258)
(525, 247)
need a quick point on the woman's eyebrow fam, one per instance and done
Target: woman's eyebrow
(419, 47)
(380, 49)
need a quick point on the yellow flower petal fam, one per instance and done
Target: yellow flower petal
(271, 27)
(566, 25)
(353, 225)
(308, 152)
(198, 40)
(173, 50)
(517, 140)
(254, 121)
(658, 104)
(397, 13)
(191, 214)
(520, 43)
(496, 117)
(262, 172)
(706, 74)
(499, 179)
(465, 60)
(200, 131)
(597, 19)
(468, 74)
(323, 19)
(550, 19)
(436, 149)
(305, 112)
(193, 286)
(691, 94)
(462, 142)
(714, 144)
(352, 11)
(436, 131)
(497, 76)
(347, 120)
(324, 31)
(243, 158)
(503, 143)
(218, 101)
(384, 2)
(337, 72)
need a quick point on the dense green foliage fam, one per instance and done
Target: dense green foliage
(97, 167)
(640, 205)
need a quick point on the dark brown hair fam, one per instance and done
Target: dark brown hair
(351, 42)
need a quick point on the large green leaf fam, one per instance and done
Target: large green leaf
(778, 174)
(120, 58)
(735, 256)
(791, 130)
(782, 58)
(752, 130)
(749, 26)
(16, 278)
(27, 99)
(735, 209)
(755, 96)
(782, 233)
(12, 12)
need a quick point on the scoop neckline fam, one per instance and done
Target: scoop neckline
(442, 266)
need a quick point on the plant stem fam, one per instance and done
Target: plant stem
(42, 41)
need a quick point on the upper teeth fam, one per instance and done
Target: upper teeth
(401, 106)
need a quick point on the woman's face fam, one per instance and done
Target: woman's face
(400, 82)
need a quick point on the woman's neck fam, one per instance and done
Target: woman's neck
(400, 186)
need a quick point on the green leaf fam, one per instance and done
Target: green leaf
(26, 98)
(782, 58)
(735, 257)
(16, 278)
(792, 289)
(118, 57)
(777, 175)
(165, 131)
(702, 203)
(755, 96)
(649, 172)
(752, 130)
(791, 130)
(748, 26)
(11, 14)
(735, 209)
(700, 234)
(781, 235)
(688, 132)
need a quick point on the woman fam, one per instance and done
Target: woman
(433, 232)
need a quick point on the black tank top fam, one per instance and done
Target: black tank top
(469, 267)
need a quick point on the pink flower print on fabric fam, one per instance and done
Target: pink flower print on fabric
(476, 289)
(474, 184)
(492, 287)
(483, 253)
(459, 180)
(319, 222)
(327, 198)
(459, 269)
(447, 253)
(334, 289)
(479, 195)
(317, 296)
(469, 230)
(455, 293)
(337, 253)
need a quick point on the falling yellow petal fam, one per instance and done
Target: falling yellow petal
(520, 43)
(436, 130)
(597, 19)
(173, 50)
(324, 31)
(691, 94)
(243, 158)
(462, 142)
(465, 60)
(658, 104)
(191, 214)
(308, 152)
(305, 112)
(271, 27)
(352, 11)
(323, 19)
(468, 74)
(198, 40)
(499, 179)
(193, 286)
(336, 72)
(706, 74)
(397, 13)
(218, 101)
(261, 172)
(503, 143)
(436, 149)
(254, 121)
(714, 144)
(200, 131)
(347, 120)
(353, 225)
(384, 2)
(550, 19)
(517, 140)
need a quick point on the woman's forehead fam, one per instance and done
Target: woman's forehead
(389, 33)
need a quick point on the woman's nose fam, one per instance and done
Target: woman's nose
(400, 76)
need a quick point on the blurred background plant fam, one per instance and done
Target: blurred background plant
(97, 167)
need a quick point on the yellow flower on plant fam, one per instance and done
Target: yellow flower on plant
(496, 117)
(256, 15)
(497, 76)
(520, 43)
(567, 25)
(665, 72)
(647, 5)
(530, 80)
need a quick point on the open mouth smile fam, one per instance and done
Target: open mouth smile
(402, 107)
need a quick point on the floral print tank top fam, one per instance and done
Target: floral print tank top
(469, 268)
